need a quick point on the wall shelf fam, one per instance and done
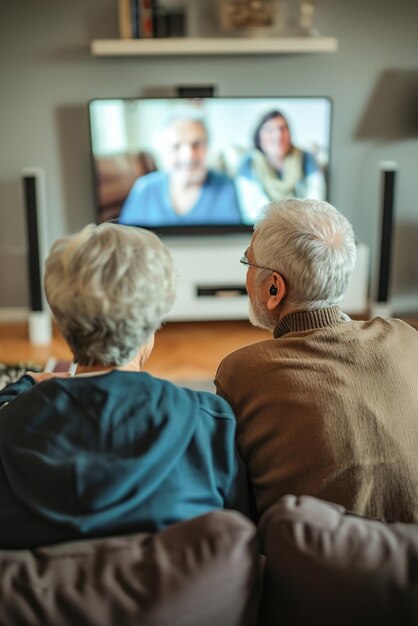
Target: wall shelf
(213, 46)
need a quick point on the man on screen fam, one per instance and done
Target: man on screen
(188, 192)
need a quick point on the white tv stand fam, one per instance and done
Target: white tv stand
(211, 280)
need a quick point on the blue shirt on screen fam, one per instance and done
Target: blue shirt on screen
(149, 203)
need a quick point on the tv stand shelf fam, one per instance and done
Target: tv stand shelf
(212, 46)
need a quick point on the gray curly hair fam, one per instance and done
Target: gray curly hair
(109, 288)
(312, 245)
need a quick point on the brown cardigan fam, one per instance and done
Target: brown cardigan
(330, 409)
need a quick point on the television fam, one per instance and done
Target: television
(206, 165)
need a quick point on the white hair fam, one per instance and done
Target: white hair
(312, 245)
(191, 118)
(109, 287)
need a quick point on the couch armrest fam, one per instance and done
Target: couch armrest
(325, 566)
(201, 572)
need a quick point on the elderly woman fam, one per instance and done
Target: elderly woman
(111, 450)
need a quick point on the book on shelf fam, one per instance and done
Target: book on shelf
(135, 18)
(125, 19)
(146, 19)
(129, 19)
(146, 23)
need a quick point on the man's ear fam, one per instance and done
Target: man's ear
(277, 291)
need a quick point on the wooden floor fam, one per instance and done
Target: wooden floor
(183, 351)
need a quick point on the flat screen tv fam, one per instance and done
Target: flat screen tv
(206, 165)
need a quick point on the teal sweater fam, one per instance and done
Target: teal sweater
(108, 454)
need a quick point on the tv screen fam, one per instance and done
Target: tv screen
(206, 164)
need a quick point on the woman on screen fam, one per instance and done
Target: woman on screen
(276, 169)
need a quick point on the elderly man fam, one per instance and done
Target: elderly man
(188, 192)
(329, 406)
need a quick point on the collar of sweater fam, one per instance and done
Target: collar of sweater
(308, 320)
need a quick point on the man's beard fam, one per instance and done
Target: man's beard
(261, 317)
(191, 175)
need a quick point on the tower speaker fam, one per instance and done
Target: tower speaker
(40, 329)
(381, 305)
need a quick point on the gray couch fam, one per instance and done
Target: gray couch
(327, 567)
(202, 572)
(322, 566)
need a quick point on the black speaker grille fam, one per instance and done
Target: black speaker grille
(35, 287)
(386, 235)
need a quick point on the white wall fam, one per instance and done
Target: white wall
(47, 75)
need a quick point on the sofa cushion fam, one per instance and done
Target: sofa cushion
(201, 572)
(326, 566)
(116, 174)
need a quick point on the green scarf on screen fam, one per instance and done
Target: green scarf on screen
(278, 188)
